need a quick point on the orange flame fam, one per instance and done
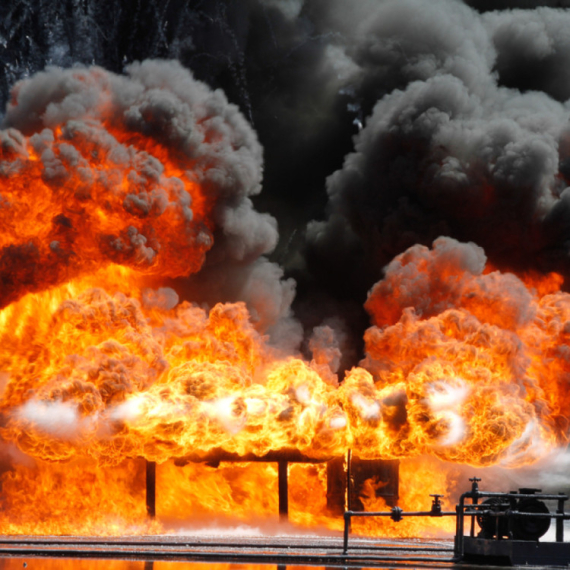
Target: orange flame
(481, 372)
(98, 371)
(93, 200)
(95, 378)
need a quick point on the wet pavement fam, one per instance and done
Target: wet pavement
(191, 553)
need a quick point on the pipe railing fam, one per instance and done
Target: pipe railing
(396, 514)
(472, 510)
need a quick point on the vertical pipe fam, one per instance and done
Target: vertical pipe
(349, 481)
(347, 517)
(472, 532)
(560, 521)
(459, 535)
(151, 488)
(348, 522)
(283, 490)
(456, 538)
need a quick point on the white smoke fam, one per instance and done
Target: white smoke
(444, 398)
(57, 419)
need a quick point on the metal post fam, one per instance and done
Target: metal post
(283, 490)
(348, 490)
(459, 535)
(560, 521)
(349, 480)
(347, 517)
(472, 531)
(151, 488)
(336, 486)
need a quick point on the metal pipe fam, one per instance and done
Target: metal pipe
(349, 488)
(403, 514)
(347, 516)
(547, 497)
(151, 488)
(518, 514)
(474, 489)
(459, 537)
(349, 480)
(472, 530)
(559, 521)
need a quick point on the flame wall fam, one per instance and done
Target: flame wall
(147, 305)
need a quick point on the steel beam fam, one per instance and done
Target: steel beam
(283, 485)
(151, 488)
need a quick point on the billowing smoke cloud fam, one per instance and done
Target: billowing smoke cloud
(449, 150)
(147, 170)
(385, 124)
(533, 50)
(449, 276)
(464, 132)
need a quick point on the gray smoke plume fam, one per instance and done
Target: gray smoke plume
(384, 124)
(448, 149)
(533, 50)
(83, 125)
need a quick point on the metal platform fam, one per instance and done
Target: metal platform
(516, 552)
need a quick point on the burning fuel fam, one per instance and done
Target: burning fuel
(141, 317)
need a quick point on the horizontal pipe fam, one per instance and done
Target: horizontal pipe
(349, 514)
(519, 514)
(545, 497)
(402, 514)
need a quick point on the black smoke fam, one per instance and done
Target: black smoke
(384, 123)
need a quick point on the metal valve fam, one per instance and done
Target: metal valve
(396, 515)
(474, 486)
(436, 505)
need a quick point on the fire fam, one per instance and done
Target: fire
(95, 378)
(68, 498)
(419, 478)
(80, 197)
(477, 362)
(130, 379)
(117, 186)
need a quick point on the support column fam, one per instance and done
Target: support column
(336, 486)
(283, 490)
(151, 488)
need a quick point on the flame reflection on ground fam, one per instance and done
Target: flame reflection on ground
(80, 564)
